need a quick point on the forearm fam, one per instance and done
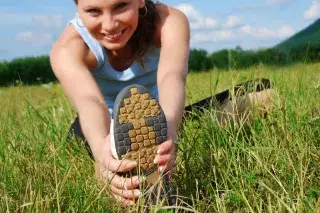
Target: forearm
(172, 100)
(95, 123)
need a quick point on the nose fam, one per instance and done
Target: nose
(109, 23)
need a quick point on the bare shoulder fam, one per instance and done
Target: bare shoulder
(166, 11)
(71, 44)
(170, 18)
(69, 40)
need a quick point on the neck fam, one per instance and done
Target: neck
(125, 52)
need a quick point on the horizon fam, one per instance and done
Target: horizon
(30, 29)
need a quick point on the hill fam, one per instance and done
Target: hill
(308, 36)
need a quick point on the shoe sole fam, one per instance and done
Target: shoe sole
(139, 127)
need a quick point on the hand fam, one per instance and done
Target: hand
(166, 156)
(122, 189)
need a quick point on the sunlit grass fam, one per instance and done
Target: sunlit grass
(271, 165)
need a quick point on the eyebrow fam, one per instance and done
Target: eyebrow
(89, 7)
(111, 5)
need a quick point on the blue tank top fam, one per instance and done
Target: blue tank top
(111, 81)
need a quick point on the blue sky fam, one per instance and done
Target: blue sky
(29, 28)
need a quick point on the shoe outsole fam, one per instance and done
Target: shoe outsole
(139, 126)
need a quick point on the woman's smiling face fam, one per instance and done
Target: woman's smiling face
(110, 22)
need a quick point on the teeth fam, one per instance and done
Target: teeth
(114, 35)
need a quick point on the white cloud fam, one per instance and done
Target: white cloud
(266, 33)
(266, 4)
(14, 18)
(262, 32)
(211, 23)
(214, 36)
(233, 21)
(313, 12)
(233, 28)
(34, 38)
(276, 2)
(48, 21)
(285, 32)
(196, 19)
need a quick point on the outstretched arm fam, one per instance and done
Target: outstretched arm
(172, 71)
(68, 60)
(74, 75)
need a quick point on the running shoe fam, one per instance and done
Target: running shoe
(139, 126)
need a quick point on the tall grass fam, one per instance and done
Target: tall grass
(270, 165)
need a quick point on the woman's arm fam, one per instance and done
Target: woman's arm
(69, 62)
(173, 66)
(172, 71)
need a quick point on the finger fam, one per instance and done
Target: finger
(166, 147)
(169, 175)
(162, 159)
(125, 202)
(167, 164)
(165, 157)
(124, 183)
(128, 194)
(121, 165)
(167, 169)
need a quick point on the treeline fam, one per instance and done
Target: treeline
(37, 70)
(239, 59)
(29, 70)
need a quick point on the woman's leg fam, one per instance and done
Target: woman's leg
(247, 94)
(234, 103)
(75, 131)
(257, 91)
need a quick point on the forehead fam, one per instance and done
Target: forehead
(101, 2)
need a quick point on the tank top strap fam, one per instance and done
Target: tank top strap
(92, 43)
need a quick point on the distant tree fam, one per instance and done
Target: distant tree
(220, 59)
(30, 70)
(199, 60)
(35, 70)
(238, 49)
(3, 66)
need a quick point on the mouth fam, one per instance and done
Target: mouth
(115, 37)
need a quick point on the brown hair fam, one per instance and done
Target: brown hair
(143, 37)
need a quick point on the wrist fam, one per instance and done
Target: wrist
(100, 149)
(172, 130)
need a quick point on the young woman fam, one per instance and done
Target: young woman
(112, 44)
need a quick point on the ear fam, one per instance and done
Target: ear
(141, 3)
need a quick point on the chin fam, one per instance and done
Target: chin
(114, 46)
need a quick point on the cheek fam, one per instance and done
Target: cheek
(131, 17)
(92, 26)
(90, 23)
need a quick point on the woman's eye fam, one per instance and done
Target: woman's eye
(121, 6)
(93, 11)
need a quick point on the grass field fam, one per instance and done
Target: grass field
(271, 165)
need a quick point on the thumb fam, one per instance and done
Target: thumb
(121, 165)
(165, 147)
